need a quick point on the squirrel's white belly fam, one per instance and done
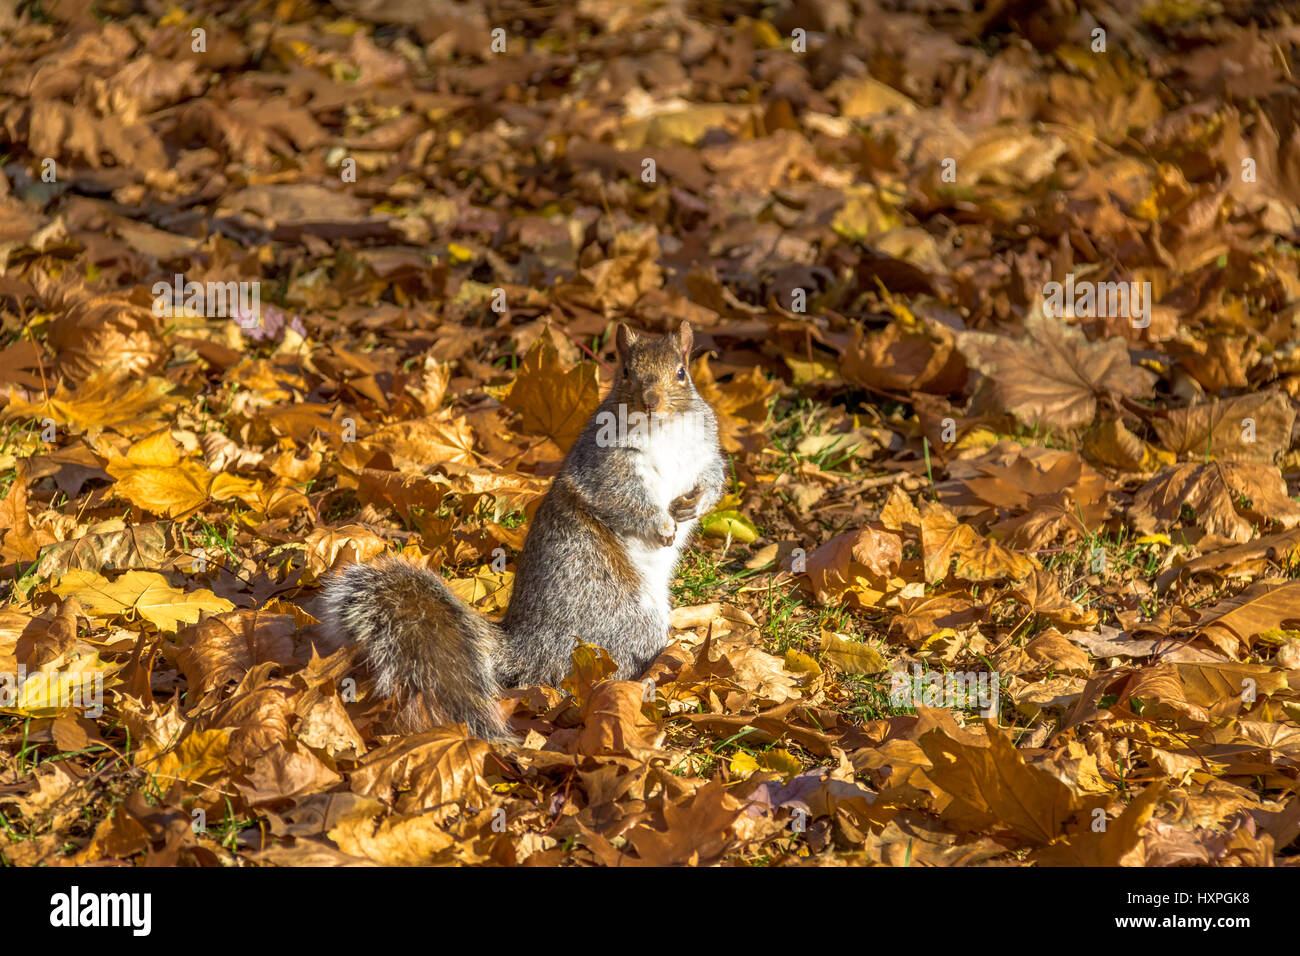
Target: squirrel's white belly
(655, 565)
(667, 466)
(667, 469)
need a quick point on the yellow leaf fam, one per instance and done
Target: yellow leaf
(105, 400)
(807, 371)
(154, 477)
(1155, 539)
(225, 486)
(58, 685)
(1275, 636)
(797, 662)
(861, 97)
(143, 594)
(743, 764)
(201, 756)
(866, 214)
(943, 634)
(396, 841)
(486, 589)
(732, 524)
(852, 657)
(782, 761)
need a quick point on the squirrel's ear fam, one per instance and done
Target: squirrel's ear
(624, 338)
(686, 337)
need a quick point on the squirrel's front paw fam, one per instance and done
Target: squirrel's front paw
(667, 532)
(685, 507)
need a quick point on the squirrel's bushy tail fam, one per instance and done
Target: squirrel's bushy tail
(425, 647)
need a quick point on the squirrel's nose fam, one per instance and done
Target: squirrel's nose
(652, 398)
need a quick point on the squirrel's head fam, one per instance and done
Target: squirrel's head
(654, 371)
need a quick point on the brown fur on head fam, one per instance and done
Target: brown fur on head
(654, 371)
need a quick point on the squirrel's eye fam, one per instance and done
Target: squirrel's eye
(681, 373)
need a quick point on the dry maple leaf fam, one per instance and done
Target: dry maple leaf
(613, 722)
(857, 563)
(1054, 376)
(920, 617)
(740, 404)
(945, 538)
(97, 333)
(143, 594)
(367, 832)
(552, 400)
(404, 492)
(418, 443)
(324, 725)
(154, 476)
(1156, 693)
(852, 657)
(486, 589)
(1110, 442)
(1222, 688)
(632, 270)
(328, 548)
(1217, 492)
(697, 829)
(1049, 494)
(74, 677)
(993, 785)
(424, 771)
(1051, 648)
(225, 647)
(1041, 594)
(760, 674)
(142, 546)
(1014, 155)
(283, 771)
(21, 541)
(1247, 428)
(118, 835)
(1235, 623)
(104, 400)
(1118, 844)
(905, 356)
(199, 757)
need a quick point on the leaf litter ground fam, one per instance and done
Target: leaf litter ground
(938, 468)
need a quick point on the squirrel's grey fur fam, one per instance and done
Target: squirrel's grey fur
(595, 566)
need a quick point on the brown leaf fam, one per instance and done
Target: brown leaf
(1118, 844)
(1054, 376)
(1247, 428)
(994, 786)
(945, 538)
(552, 400)
(697, 830)
(425, 771)
(225, 647)
(905, 356)
(1214, 491)
(613, 721)
(1235, 623)
(856, 562)
(392, 841)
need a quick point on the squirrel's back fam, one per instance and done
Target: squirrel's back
(576, 581)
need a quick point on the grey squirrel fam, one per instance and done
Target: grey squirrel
(595, 566)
